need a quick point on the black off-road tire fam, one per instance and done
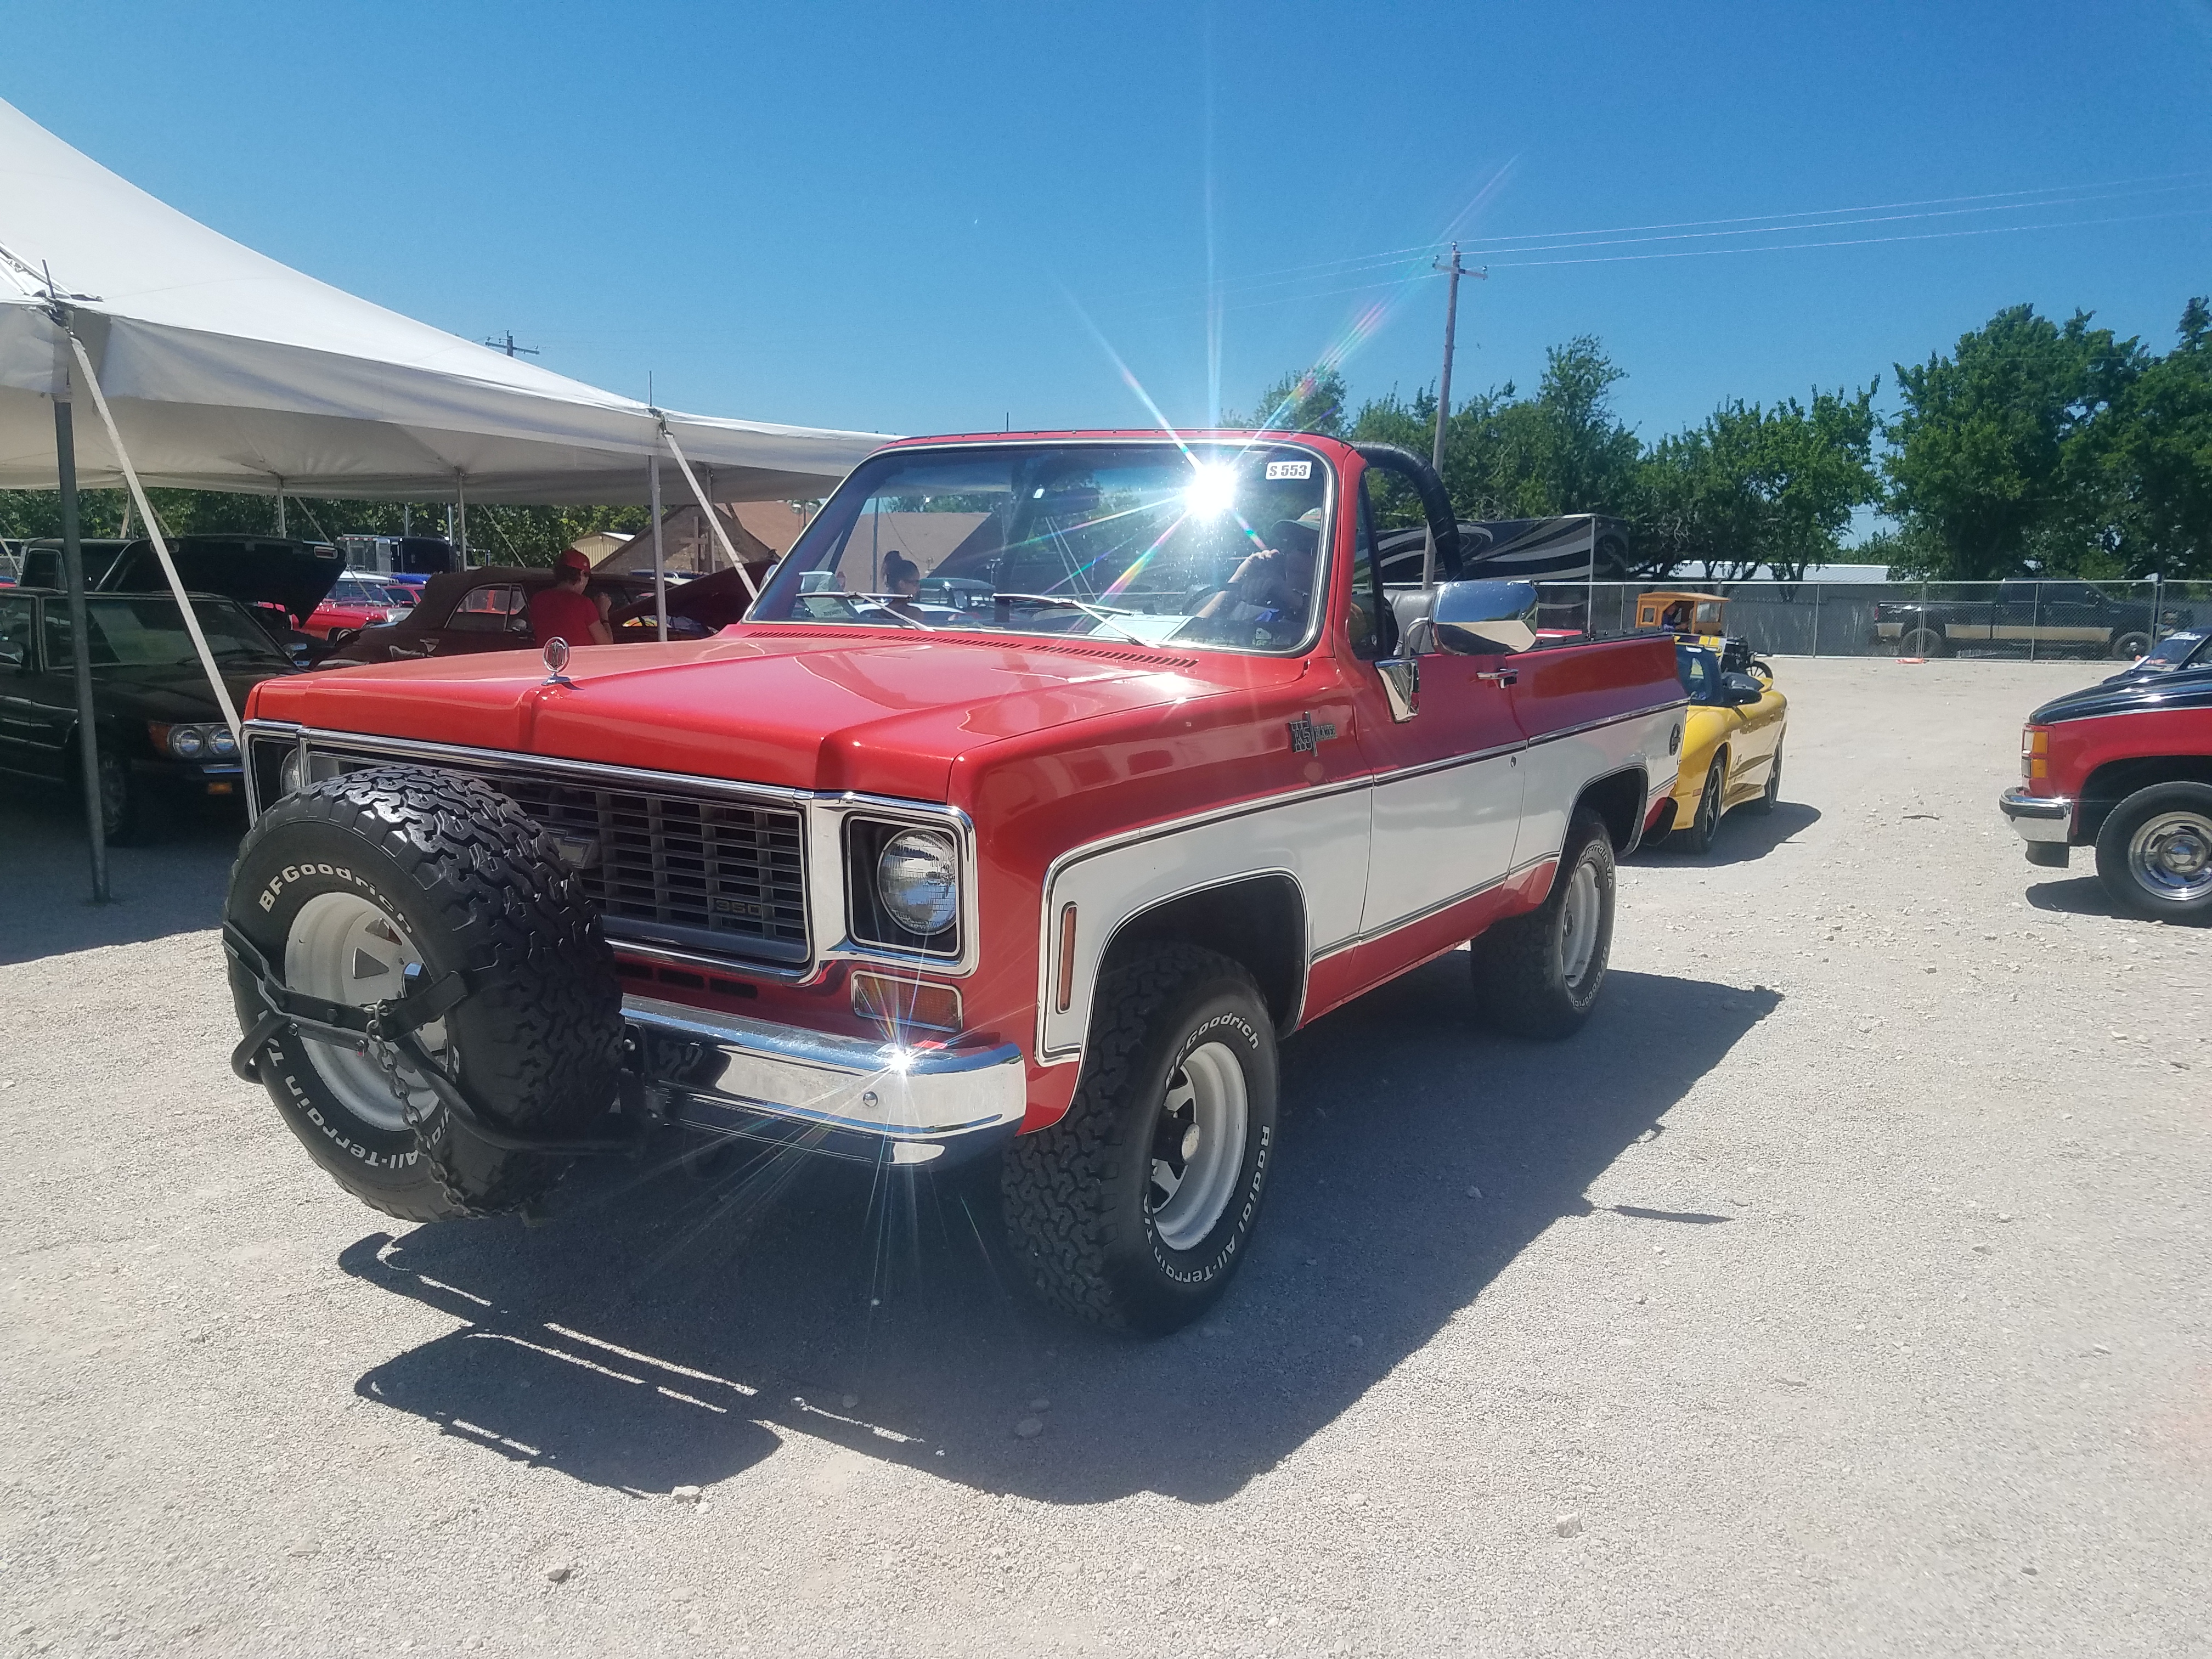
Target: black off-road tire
(1075, 1195)
(1923, 641)
(475, 886)
(1696, 836)
(2130, 644)
(2136, 890)
(1522, 986)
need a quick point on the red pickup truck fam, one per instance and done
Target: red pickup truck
(2125, 767)
(1047, 875)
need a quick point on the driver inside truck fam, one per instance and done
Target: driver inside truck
(1276, 582)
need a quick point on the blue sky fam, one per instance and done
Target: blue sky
(916, 218)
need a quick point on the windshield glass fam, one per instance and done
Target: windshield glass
(1214, 547)
(149, 633)
(1699, 670)
(2177, 649)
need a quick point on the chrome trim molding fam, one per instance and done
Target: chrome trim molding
(1610, 719)
(1369, 935)
(822, 817)
(510, 760)
(857, 1085)
(1115, 842)
(1401, 686)
(833, 813)
(1331, 508)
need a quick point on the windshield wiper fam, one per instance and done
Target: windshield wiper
(890, 602)
(1102, 615)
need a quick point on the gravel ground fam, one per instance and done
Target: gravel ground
(1841, 1288)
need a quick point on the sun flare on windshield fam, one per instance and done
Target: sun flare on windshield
(1211, 493)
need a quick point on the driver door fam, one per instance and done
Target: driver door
(1447, 785)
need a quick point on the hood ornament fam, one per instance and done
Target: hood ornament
(557, 658)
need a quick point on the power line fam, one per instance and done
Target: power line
(1859, 241)
(1741, 225)
(1698, 254)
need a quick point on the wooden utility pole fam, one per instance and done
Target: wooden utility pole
(1456, 270)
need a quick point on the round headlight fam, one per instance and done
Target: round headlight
(918, 877)
(187, 742)
(221, 741)
(287, 772)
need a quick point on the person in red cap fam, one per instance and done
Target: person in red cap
(564, 611)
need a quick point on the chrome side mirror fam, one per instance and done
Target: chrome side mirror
(1485, 619)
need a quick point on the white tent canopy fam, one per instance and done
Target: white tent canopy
(227, 370)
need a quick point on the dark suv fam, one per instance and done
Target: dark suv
(161, 734)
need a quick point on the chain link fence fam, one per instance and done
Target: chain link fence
(2019, 621)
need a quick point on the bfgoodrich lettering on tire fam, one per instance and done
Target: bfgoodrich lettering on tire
(1134, 1209)
(343, 885)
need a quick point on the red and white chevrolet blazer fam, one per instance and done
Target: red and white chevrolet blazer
(1051, 782)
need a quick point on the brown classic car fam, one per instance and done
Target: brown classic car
(488, 609)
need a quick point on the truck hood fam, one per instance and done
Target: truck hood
(829, 709)
(2129, 694)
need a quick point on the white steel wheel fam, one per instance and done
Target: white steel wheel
(343, 948)
(2171, 854)
(1198, 1150)
(1580, 913)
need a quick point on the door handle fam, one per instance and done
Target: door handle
(1499, 676)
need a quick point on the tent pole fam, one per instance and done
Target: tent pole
(707, 507)
(461, 503)
(280, 508)
(659, 558)
(87, 730)
(161, 548)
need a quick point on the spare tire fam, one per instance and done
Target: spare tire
(340, 888)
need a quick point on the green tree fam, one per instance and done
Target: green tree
(1304, 400)
(1755, 486)
(2139, 475)
(1510, 456)
(1978, 469)
(497, 534)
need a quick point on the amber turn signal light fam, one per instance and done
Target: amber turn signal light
(1064, 990)
(900, 1005)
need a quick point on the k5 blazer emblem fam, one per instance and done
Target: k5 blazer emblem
(1307, 733)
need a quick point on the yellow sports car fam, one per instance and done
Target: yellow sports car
(1731, 747)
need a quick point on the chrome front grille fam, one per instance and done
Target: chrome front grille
(692, 869)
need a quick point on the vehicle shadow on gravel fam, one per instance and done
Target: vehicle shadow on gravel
(668, 1331)
(1742, 836)
(2081, 895)
(173, 886)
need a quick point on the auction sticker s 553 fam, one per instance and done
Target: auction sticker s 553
(1290, 470)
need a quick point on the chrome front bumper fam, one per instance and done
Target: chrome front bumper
(2039, 818)
(844, 1097)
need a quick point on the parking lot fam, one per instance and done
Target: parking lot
(1842, 1288)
